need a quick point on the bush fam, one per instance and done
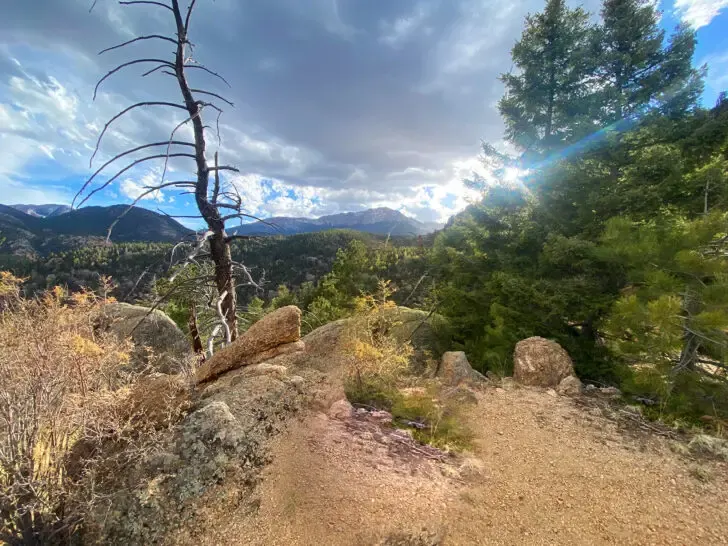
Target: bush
(687, 397)
(431, 420)
(61, 387)
(381, 364)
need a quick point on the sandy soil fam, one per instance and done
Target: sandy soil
(544, 470)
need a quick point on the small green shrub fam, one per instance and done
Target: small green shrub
(440, 424)
(371, 390)
(688, 397)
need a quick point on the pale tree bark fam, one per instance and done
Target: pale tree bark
(209, 192)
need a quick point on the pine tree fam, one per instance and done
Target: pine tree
(544, 103)
(675, 311)
(636, 68)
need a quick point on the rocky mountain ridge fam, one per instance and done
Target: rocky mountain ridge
(380, 220)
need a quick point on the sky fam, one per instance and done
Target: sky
(340, 105)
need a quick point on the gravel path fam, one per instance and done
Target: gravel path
(544, 471)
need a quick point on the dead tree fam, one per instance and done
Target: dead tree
(216, 203)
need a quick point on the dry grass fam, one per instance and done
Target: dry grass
(377, 359)
(63, 397)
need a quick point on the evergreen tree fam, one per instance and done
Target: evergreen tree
(544, 105)
(636, 68)
(676, 305)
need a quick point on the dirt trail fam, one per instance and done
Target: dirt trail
(544, 471)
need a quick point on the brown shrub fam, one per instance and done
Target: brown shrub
(63, 395)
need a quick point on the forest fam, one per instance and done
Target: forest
(605, 230)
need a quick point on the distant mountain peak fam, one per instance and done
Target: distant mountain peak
(43, 211)
(380, 220)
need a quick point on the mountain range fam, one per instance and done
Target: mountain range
(47, 229)
(382, 221)
(40, 229)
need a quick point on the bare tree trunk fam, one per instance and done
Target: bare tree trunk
(209, 203)
(219, 246)
(195, 332)
(689, 354)
(220, 253)
(691, 341)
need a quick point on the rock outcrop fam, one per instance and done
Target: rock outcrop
(159, 344)
(213, 455)
(455, 369)
(275, 334)
(541, 362)
(569, 386)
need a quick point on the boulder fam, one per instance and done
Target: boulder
(612, 392)
(455, 369)
(276, 333)
(569, 386)
(341, 409)
(158, 341)
(541, 362)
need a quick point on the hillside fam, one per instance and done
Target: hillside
(28, 234)
(384, 221)
(80, 261)
(273, 452)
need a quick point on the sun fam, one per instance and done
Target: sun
(513, 175)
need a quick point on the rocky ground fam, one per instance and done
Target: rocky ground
(544, 471)
(272, 455)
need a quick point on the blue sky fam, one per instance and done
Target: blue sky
(340, 105)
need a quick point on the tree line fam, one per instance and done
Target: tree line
(613, 239)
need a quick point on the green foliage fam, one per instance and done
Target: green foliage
(679, 280)
(435, 422)
(686, 398)
(545, 102)
(611, 244)
(371, 391)
(635, 67)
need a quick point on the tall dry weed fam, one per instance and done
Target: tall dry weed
(61, 387)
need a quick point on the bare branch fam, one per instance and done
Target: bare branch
(171, 136)
(247, 274)
(203, 92)
(141, 196)
(224, 168)
(133, 288)
(124, 65)
(119, 156)
(189, 14)
(148, 37)
(211, 341)
(122, 171)
(133, 2)
(244, 215)
(160, 211)
(205, 69)
(223, 320)
(155, 69)
(231, 238)
(124, 111)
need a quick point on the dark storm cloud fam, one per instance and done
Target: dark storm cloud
(332, 94)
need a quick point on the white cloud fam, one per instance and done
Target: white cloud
(717, 80)
(133, 189)
(699, 13)
(395, 33)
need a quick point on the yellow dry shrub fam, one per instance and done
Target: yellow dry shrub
(61, 383)
(377, 358)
